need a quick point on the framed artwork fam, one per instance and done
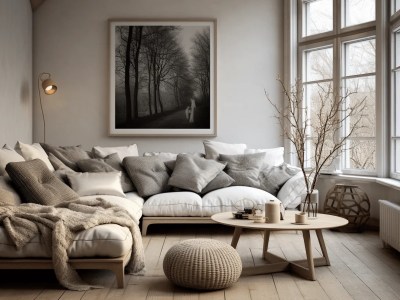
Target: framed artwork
(163, 78)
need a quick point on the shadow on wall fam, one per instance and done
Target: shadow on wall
(25, 92)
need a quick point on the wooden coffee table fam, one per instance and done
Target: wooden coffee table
(304, 268)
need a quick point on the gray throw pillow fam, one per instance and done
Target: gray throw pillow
(38, 184)
(244, 168)
(222, 180)
(8, 195)
(148, 174)
(272, 178)
(111, 163)
(193, 173)
(68, 155)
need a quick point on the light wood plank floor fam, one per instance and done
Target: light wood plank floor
(360, 269)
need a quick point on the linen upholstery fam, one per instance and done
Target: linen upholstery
(7, 155)
(220, 181)
(34, 151)
(85, 184)
(214, 149)
(194, 173)
(293, 192)
(37, 184)
(148, 174)
(111, 163)
(273, 156)
(244, 168)
(273, 178)
(68, 155)
(11, 197)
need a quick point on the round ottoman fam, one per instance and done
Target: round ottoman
(202, 264)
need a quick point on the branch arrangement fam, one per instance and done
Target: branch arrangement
(325, 126)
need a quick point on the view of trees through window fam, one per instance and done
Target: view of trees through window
(354, 66)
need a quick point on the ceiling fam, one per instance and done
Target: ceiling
(36, 3)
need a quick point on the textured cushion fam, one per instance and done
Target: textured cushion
(34, 151)
(148, 174)
(7, 155)
(37, 184)
(194, 173)
(273, 156)
(109, 240)
(11, 197)
(222, 180)
(174, 204)
(85, 184)
(214, 149)
(111, 163)
(273, 178)
(244, 168)
(293, 192)
(68, 155)
(166, 156)
(226, 199)
(122, 152)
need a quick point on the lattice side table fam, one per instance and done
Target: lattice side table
(350, 202)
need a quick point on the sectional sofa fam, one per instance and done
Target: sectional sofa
(141, 185)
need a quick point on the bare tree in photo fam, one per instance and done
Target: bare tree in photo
(201, 63)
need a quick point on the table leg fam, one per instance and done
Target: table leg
(236, 236)
(310, 260)
(266, 241)
(322, 245)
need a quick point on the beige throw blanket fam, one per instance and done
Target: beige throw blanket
(57, 227)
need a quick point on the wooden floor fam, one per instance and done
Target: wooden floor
(360, 269)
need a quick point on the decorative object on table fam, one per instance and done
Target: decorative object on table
(245, 208)
(350, 202)
(49, 87)
(272, 211)
(202, 264)
(319, 131)
(313, 209)
(300, 218)
(162, 80)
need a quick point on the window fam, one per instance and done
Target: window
(339, 55)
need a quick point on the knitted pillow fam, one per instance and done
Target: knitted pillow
(148, 174)
(38, 184)
(68, 155)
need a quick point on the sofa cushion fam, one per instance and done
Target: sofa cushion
(273, 156)
(111, 163)
(193, 173)
(123, 151)
(34, 151)
(85, 184)
(293, 192)
(7, 155)
(244, 168)
(273, 178)
(214, 149)
(174, 204)
(68, 155)
(220, 181)
(37, 184)
(10, 198)
(227, 199)
(148, 174)
(109, 240)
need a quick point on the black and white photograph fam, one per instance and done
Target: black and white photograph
(162, 78)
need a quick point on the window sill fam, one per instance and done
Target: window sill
(388, 182)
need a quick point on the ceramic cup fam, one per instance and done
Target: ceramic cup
(300, 217)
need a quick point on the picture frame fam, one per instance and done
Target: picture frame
(163, 78)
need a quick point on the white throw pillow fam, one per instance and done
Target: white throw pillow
(86, 184)
(214, 149)
(34, 151)
(273, 156)
(293, 192)
(123, 151)
(8, 155)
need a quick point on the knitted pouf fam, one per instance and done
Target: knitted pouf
(202, 264)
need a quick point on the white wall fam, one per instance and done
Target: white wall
(15, 71)
(71, 42)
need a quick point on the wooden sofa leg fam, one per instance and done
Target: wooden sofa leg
(145, 225)
(118, 270)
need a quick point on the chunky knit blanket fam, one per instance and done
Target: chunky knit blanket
(57, 227)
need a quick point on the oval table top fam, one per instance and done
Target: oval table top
(322, 221)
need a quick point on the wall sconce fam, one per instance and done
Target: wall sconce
(49, 87)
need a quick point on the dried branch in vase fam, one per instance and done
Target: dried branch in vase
(318, 133)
